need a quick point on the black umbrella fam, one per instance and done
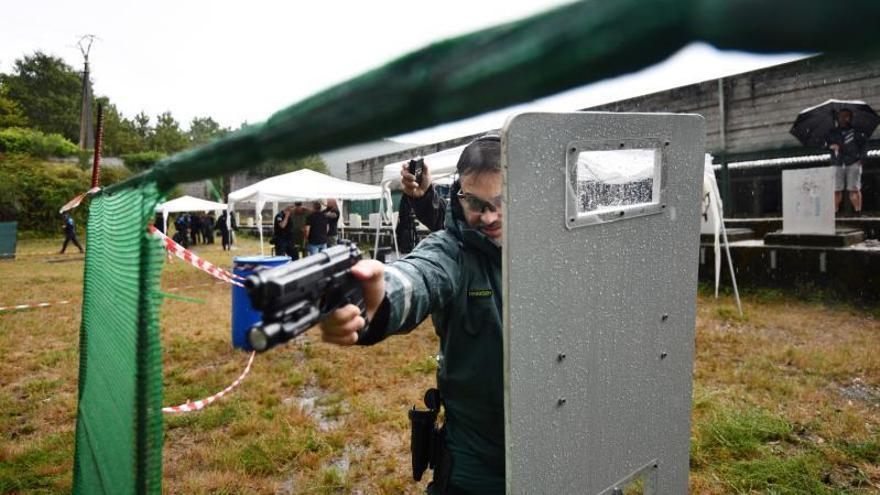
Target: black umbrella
(813, 124)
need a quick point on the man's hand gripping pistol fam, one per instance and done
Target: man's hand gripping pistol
(295, 296)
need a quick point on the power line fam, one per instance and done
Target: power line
(86, 133)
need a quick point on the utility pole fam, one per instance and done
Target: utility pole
(86, 133)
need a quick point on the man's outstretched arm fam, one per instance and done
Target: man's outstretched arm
(398, 296)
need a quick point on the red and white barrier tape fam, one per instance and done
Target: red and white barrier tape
(201, 404)
(18, 307)
(73, 203)
(193, 259)
(33, 305)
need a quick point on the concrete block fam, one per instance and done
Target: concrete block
(808, 201)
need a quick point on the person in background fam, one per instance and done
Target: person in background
(317, 227)
(181, 224)
(281, 233)
(332, 213)
(225, 230)
(297, 229)
(208, 227)
(406, 233)
(195, 228)
(847, 147)
(233, 226)
(69, 232)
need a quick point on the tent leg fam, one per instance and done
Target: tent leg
(730, 265)
(376, 243)
(394, 237)
(378, 229)
(716, 250)
(260, 229)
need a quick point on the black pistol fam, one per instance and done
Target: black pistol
(415, 167)
(295, 296)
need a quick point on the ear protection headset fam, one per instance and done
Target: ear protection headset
(457, 211)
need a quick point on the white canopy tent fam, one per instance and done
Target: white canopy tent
(302, 185)
(713, 211)
(186, 203)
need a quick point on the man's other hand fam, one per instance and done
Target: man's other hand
(408, 181)
(341, 326)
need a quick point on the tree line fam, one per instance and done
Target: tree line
(40, 104)
(44, 93)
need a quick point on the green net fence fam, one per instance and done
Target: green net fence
(119, 420)
(119, 424)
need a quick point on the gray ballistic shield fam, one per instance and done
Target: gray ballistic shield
(599, 280)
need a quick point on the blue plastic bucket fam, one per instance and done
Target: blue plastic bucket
(244, 316)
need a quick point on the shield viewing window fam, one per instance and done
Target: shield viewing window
(613, 180)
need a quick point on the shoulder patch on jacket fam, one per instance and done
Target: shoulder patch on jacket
(480, 293)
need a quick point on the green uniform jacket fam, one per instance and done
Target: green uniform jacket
(455, 276)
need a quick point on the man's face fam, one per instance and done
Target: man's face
(844, 118)
(483, 188)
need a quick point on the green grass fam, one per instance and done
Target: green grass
(426, 365)
(746, 449)
(768, 414)
(799, 474)
(863, 451)
(729, 313)
(729, 433)
(40, 468)
(332, 481)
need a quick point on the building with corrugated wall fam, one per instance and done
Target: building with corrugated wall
(748, 117)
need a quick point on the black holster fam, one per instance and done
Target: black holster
(427, 446)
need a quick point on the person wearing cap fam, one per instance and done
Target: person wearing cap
(847, 147)
(454, 275)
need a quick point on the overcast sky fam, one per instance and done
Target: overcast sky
(241, 61)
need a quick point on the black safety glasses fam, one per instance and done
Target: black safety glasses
(478, 204)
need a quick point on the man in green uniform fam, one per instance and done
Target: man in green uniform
(455, 276)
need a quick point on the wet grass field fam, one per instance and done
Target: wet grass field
(786, 398)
